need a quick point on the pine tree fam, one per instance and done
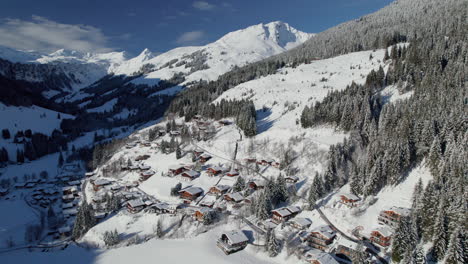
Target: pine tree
(456, 251)
(440, 231)
(263, 206)
(281, 189)
(239, 185)
(272, 245)
(178, 152)
(84, 220)
(316, 190)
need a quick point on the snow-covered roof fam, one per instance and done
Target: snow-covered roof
(89, 174)
(101, 182)
(233, 172)
(304, 222)
(385, 231)
(192, 173)
(144, 167)
(216, 168)
(236, 237)
(148, 173)
(293, 177)
(72, 211)
(400, 210)
(176, 167)
(293, 209)
(192, 190)
(347, 243)
(325, 230)
(283, 212)
(69, 188)
(325, 258)
(222, 187)
(205, 155)
(74, 182)
(136, 203)
(259, 182)
(237, 196)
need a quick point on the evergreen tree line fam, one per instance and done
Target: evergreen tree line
(275, 192)
(389, 139)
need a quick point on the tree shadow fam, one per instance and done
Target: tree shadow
(263, 121)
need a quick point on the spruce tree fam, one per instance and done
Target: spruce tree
(272, 245)
(456, 251)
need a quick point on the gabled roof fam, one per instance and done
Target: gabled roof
(325, 230)
(385, 231)
(347, 243)
(136, 203)
(192, 173)
(283, 212)
(216, 168)
(148, 173)
(301, 221)
(236, 237)
(325, 258)
(222, 187)
(237, 196)
(293, 209)
(350, 196)
(400, 210)
(101, 182)
(192, 190)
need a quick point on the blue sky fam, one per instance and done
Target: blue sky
(132, 25)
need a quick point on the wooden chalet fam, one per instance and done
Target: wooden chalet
(256, 184)
(190, 193)
(204, 158)
(275, 164)
(250, 160)
(321, 258)
(236, 197)
(190, 175)
(392, 216)
(215, 170)
(197, 153)
(134, 206)
(300, 223)
(232, 241)
(219, 190)
(69, 190)
(175, 170)
(200, 213)
(144, 167)
(381, 236)
(321, 237)
(146, 175)
(285, 213)
(349, 199)
(89, 174)
(99, 183)
(346, 247)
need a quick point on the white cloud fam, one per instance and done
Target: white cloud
(202, 5)
(190, 37)
(44, 35)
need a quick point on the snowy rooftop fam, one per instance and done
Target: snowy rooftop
(301, 221)
(192, 190)
(192, 173)
(400, 210)
(282, 212)
(222, 187)
(101, 182)
(136, 203)
(325, 230)
(236, 196)
(236, 236)
(385, 231)
(325, 258)
(350, 196)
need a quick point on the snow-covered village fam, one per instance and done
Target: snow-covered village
(263, 145)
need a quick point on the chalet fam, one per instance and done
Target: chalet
(208, 201)
(236, 197)
(204, 158)
(190, 193)
(381, 236)
(346, 247)
(197, 153)
(285, 213)
(176, 169)
(20, 185)
(174, 133)
(99, 183)
(257, 184)
(130, 145)
(250, 160)
(144, 167)
(322, 258)
(264, 162)
(134, 206)
(268, 224)
(142, 157)
(190, 175)
(163, 208)
(145, 144)
(219, 190)
(232, 241)
(30, 185)
(321, 237)
(89, 174)
(300, 223)
(291, 179)
(232, 173)
(146, 175)
(392, 216)
(200, 213)
(116, 188)
(349, 199)
(213, 171)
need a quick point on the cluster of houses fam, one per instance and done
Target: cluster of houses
(389, 220)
